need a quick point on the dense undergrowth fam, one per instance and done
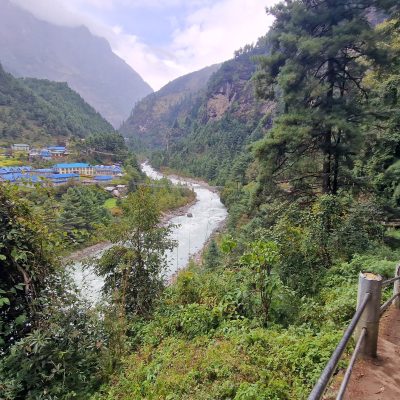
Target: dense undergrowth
(53, 342)
(258, 318)
(208, 338)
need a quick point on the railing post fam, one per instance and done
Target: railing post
(396, 287)
(369, 283)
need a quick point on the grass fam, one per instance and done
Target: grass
(10, 162)
(392, 238)
(110, 203)
(393, 233)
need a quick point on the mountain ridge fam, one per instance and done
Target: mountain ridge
(30, 47)
(152, 120)
(44, 112)
(206, 133)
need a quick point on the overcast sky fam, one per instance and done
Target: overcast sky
(163, 39)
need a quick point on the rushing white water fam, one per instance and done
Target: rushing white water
(193, 232)
(190, 233)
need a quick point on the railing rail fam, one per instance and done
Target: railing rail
(349, 369)
(327, 373)
(365, 327)
(389, 281)
(386, 305)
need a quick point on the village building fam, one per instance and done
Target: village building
(19, 178)
(21, 147)
(57, 151)
(60, 174)
(45, 154)
(48, 153)
(74, 168)
(60, 179)
(103, 178)
(44, 172)
(111, 170)
(34, 153)
(16, 170)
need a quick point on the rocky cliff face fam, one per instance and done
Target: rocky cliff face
(206, 131)
(33, 48)
(231, 91)
(162, 116)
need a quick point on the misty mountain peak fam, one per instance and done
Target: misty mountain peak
(30, 47)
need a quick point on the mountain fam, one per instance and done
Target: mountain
(33, 48)
(43, 112)
(207, 132)
(157, 119)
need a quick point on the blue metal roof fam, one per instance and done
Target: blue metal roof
(108, 168)
(103, 178)
(18, 177)
(44, 170)
(72, 165)
(6, 170)
(31, 178)
(11, 177)
(62, 148)
(63, 176)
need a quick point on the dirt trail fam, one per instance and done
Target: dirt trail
(379, 379)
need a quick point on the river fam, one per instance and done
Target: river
(190, 233)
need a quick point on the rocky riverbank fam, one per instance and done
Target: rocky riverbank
(89, 251)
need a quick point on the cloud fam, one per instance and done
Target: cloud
(55, 12)
(146, 3)
(206, 32)
(155, 65)
(213, 33)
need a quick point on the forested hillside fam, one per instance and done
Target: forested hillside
(206, 134)
(30, 47)
(305, 139)
(161, 118)
(42, 112)
(308, 202)
(228, 119)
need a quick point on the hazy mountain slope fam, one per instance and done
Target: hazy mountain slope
(43, 112)
(156, 120)
(206, 133)
(33, 48)
(229, 118)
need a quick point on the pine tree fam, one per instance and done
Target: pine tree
(82, 211)
(380, 159)
(133, 268)
(212, 255)
(321, 51)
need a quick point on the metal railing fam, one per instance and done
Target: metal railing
(365, 327)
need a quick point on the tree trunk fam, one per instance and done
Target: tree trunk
(335, 183)
(327, 136)
(326, 168)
